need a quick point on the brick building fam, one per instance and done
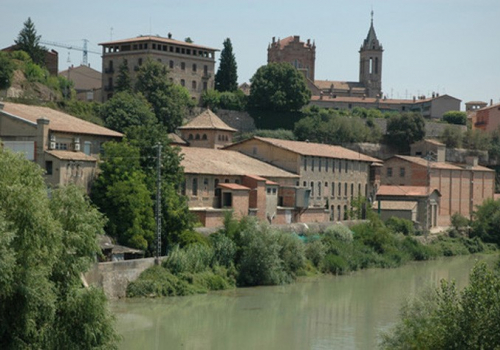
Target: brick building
(462, 186)
(65, 146)
(333, 175)
(190, 65)
(301, 55)
(488, 118)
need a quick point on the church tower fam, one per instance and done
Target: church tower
(370, 64)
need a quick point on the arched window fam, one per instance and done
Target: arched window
(345, 212)
(339, 213)
(193, 84)
(332, 212)
(194, 188)
(339, 192)
(312, 189)
(352, 191)
(333, 189)
(345, 189)
(204, 137)
(319, 188)
(359, 190)
(190, 137)
(197, 136)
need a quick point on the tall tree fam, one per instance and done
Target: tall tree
(278, 87)
(126, 109)
(405, 129)
(226, 78)
(123, 81)
(29, 41)
(171, 102)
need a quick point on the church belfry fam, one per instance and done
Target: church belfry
(370, 63)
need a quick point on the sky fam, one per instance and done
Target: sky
(445, 46)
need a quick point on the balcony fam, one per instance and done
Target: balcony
(206, 76)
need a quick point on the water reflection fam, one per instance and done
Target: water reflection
(345, 312)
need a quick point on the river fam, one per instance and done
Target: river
(327, 312)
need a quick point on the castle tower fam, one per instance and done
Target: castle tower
(301, 55)
(370, 63)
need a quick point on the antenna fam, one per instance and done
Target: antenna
(111, 33)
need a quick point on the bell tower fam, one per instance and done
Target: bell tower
(370, 63)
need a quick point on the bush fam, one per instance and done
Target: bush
(224, 250)
(156, 282)
(193, 258)
(292, 252)
(340, 232)
(315, 252)
(398, 225)
(335, 264)
(417, 250)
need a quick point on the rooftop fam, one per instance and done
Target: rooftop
(143, 38)
(224, 162)
(69, 155)
(441, 165)
(235, 187)
(404, 191)
(207, 120)
(59, 121)
(317, 149)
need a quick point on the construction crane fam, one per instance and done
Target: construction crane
(85, 49)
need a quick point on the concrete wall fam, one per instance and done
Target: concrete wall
(114, 277)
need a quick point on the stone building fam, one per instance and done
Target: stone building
(190, 65)
(87, 82)
(66, 147)
(301, 55)
(462, 186)
(333, 175)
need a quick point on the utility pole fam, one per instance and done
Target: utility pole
(158, 203)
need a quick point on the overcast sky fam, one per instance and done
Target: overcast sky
(446, 46)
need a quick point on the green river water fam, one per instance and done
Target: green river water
(328, 312)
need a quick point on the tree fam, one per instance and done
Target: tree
(476, 140)
(451, 137)
(122, 194)
(226, 78)
(486, 223)
(46, 244)
(455, 117)
(123, 81)
(171, 103)
(126, 109)
(189, 40)
(6, 70)
(29, 41)
(405, 129)
(448, 319)
(278, 87)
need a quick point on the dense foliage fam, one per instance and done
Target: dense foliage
(486, 223)
(449, 319)
(46, 244)
(214, 100)
(278, 87)
(123, 80)
(455, 117)
(126, 109)
(6, 70)
(226, 78)
(405, 129)
(29, 42)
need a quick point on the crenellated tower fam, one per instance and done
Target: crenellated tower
(370, 63)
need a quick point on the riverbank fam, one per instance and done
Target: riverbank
(247, 253)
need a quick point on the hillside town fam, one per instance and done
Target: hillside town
(176, 159)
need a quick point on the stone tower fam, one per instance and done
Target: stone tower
(298, 53)
(370, 63)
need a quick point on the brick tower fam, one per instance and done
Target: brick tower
(300, 54)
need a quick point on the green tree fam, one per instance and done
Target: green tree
(455, 117)
(210, 99)
(449, 319)
(46, 245)
(486, 223)
(122, 194)
(6, 70)
(125, 110)
(405, 129)
(123, 80)
(451, 137)
(278, 87)
(226, 78)
(29, 42)
(476, 140)
(171, 102)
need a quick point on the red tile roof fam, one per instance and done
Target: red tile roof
(441, 165)
(143, 38)
(281, 43)
(404, 191)
(235, 187)
(317, 149)
(69, 155)
(207, 120)
(224, 162)
(59, 121)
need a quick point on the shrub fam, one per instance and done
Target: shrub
(315, 252)
(339, 232)
(292, 252)
(193, 258)
(335, 264)
(156, 282)
(399, 225)
(224, 250)
(417, 250)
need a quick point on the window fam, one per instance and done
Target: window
(62, 146)
(345, 189)
(340, 166)
(194, 187)
(339, 193)
(190, 137)
(87, 147)
(183, 65)
(352, 191)
(205, 70)
(338, 213)
(269, 190)
(274, 190)
(197, 137)
(389, 172)
(305, 184)
(194, 67)
(401, 172)
(204, 137)
(205, 86)
(205, 185)
(183, 82)
(359, 190)
(305, 163)
(333, 189)
(183, 188)
(345, 212)
(312, 164)
(319, 164)
(48, 167)
(346, 166)
(139, 62)
(171, 64)
(193, 85)
(319, 188)
(312, 189)
(326, 164)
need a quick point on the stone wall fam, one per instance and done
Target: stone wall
(114, 277)
(432, 129)
(457, 155)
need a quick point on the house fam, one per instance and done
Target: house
(488, 118)
(87, 82)
(66, 147)
(190, 65)
(419, 204)
(333, 175)
(462, 186)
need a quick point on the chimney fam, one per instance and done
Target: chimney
(170, 35)
(42, 137)
(471, 161)
(308, 42)
(491, 102)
